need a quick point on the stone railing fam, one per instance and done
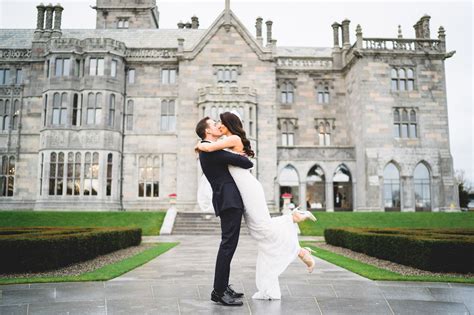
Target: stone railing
(15, 54)
(304, 63)
(402, 44)
(329, 153)
(227, 94)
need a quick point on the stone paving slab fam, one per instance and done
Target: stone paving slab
(180, 282)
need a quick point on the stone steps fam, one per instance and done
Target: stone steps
(202, 223)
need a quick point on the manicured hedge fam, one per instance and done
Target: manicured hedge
(45, 248)
(428, 249)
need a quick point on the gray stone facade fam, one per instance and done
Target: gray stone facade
(104, 119)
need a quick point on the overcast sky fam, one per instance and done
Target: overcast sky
(308, 23)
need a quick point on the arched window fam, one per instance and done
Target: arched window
(391, 180)
(289, 183)
(7, 175)
(403, 79)
(4, 114)
(315, 189)
(108, 188)
(410, 80)
(15, 114)
(405, 125)
(421, 179)
(87, 174)
(76, 119)
(56, 109)
(342, 188)
(129, 115)
(56, 174)
(111, 120)
(95, 174)
(94, 109)
(287, 130)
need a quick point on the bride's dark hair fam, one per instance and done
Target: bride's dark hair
(233, 123)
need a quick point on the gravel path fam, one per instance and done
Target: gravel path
(385, 264)
(86, 266)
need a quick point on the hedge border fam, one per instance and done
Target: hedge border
(449, 250)
(47, 248)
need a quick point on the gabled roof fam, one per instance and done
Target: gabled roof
(226, 19)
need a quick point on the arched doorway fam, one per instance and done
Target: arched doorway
(289, 183)
(315, 189)
(422, 183)
(391, 188)
(342, 189)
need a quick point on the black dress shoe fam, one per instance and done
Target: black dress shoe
(232, 293)
(225, 299)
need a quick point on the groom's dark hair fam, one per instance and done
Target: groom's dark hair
(201, 127)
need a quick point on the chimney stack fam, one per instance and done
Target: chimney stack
(58, 9)
(180, 24)
(269, 32)
(422, 27)
(346, 43)
(49, 17)
(335, 34)
(194, 22)
(188, 25)
(258, 29)
(40, 17)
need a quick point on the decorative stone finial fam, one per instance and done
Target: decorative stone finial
(400, 35)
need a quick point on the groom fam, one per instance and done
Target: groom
(227, 204)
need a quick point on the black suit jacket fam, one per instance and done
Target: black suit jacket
(215, 167)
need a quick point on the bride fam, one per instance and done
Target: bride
(277, 237)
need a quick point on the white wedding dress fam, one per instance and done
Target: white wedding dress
(277, 237)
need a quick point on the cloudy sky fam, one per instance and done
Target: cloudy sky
(308, 23)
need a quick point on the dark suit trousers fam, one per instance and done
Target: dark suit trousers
(230, 227)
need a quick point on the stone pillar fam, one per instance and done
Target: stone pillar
(329, 196)
(354, 196)
(346, 44)
(407, 194)
(303, 194)
(49, 17)
(442, 38)
(359, 41)
(40, 17)
(194, 22)
(269, 32)
(335, 34)
(258, 29)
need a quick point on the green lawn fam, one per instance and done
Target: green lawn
(105, 273)
(376, 273)
(150, 222)
(390, 219)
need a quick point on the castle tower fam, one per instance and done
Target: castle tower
(127, 14)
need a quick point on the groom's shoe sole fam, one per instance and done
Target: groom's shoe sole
(219, 300)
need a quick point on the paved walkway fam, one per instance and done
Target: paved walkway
(179, 282)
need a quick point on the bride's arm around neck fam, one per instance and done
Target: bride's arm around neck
(226, 143)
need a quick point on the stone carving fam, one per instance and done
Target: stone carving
(315, 153)
(150, 53)
(7, 91)
(304, 63)
(227, 94)
(15, 53)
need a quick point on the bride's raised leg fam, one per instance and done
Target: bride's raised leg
(307, 258)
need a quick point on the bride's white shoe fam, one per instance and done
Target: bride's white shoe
(305, 214)
(308, 259)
